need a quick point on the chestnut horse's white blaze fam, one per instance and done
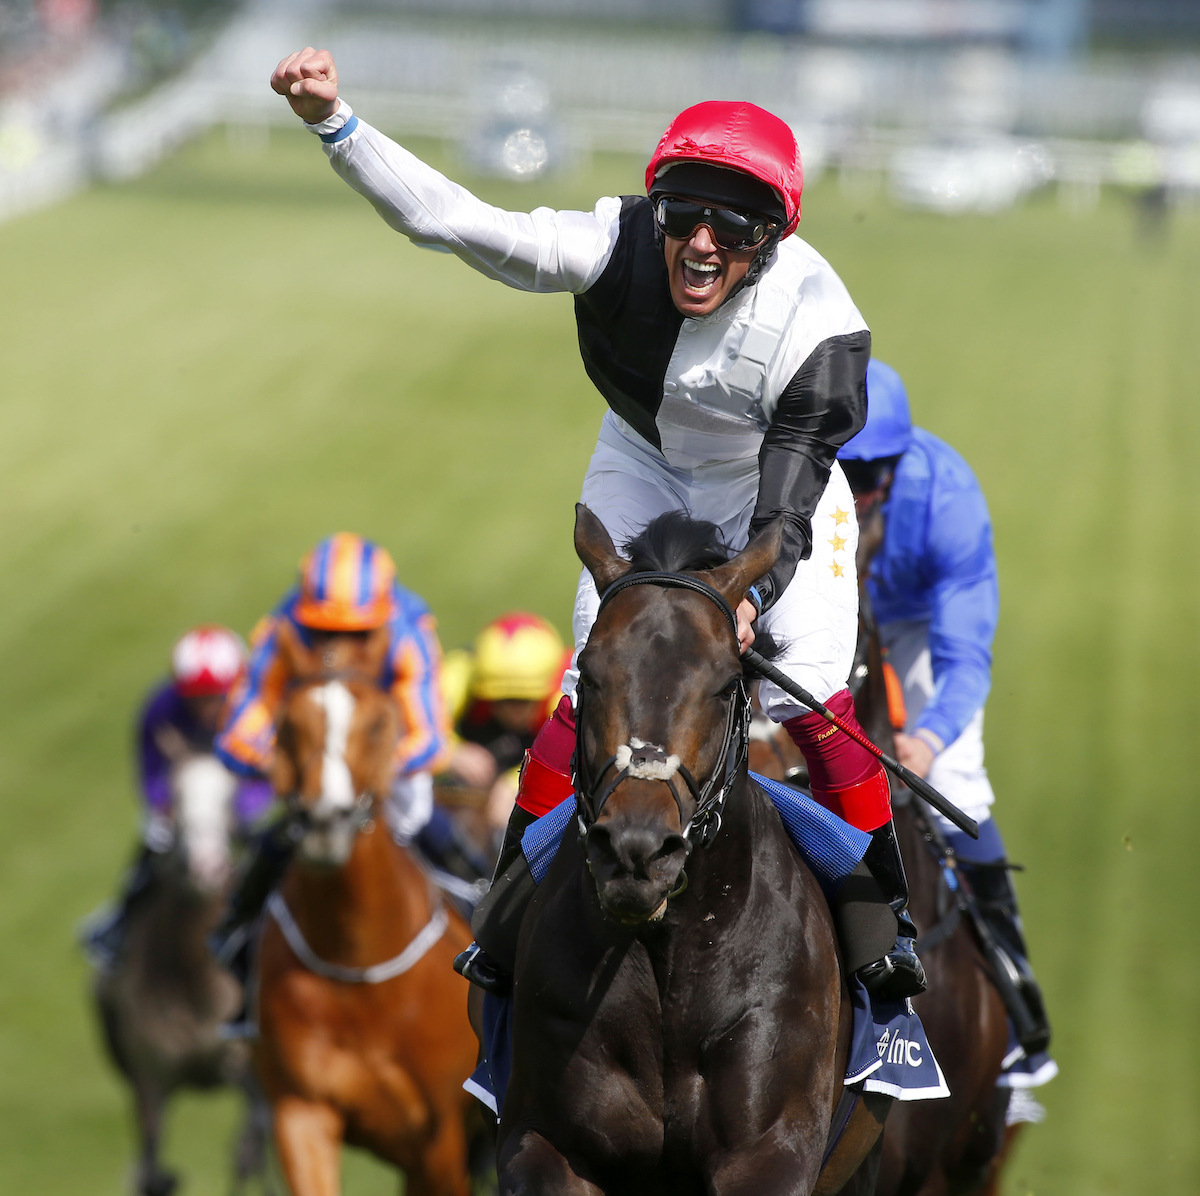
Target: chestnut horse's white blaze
(330, 837)
(337, 789)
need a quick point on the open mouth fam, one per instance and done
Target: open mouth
(700, 278)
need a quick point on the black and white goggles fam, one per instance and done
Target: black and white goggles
(731, 229)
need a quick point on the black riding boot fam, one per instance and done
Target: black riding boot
(271, 854)
(103, 935)
(996, 898)
(488, 962)
(899, 973)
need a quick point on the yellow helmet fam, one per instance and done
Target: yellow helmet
(518, 656)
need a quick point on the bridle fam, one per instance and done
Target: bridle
(710, 797)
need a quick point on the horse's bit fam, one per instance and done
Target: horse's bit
(710, 797)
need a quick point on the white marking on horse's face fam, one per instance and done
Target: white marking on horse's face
(337, 786)
(203, 791)
(647, 770)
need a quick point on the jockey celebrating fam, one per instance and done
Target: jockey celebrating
(180, 718)
(500, 695)
(935, 597)
(347, 587)
(733, 362)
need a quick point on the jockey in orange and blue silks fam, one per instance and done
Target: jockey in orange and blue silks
(347, 584)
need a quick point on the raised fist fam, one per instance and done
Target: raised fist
(309, 80)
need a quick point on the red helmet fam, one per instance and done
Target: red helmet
(740, 136)
(208, 660)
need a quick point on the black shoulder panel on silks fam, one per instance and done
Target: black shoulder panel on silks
(823, 405)
(628, 324)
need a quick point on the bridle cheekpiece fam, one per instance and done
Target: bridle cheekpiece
(648, 760)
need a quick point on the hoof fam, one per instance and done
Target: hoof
(161, 1183)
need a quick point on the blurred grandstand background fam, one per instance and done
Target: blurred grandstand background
(958, 104)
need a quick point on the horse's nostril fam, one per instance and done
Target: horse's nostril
(599, 842)
(670, 846)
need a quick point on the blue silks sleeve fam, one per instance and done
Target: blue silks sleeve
(965, 604)
(937, 565)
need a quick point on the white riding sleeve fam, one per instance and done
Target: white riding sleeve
(542, 250)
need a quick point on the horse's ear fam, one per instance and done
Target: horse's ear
(282, 774)
(758, 558)
(297, 659)
(595, 548)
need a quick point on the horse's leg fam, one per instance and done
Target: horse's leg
(854, 1164)
(150, 1101)
(308, 1137)
(250, 1153)
(441, 1167)
(535, 1168)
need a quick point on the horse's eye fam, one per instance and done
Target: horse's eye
(731, 687)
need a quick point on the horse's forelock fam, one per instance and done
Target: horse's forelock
(677, 543)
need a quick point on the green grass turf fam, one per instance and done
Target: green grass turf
(208, 369)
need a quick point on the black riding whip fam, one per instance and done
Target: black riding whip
(920, 787)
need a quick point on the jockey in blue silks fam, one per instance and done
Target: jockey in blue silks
(934, 591)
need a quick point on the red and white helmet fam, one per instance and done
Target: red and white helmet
(738, 136)
(207, 660)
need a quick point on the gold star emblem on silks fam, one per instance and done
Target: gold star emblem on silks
(840, 517)
(838, 571)
(837, 542)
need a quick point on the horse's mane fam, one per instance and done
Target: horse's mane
(674, 542)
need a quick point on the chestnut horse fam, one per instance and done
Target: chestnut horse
(946, 1146)
(675, 1032)
(363, 1031)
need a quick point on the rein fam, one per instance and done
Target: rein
(710, 797)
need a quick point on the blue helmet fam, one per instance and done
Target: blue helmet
(888, 431)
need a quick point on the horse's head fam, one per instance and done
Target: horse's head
(660, 684)
(202, 790)
(336, 740)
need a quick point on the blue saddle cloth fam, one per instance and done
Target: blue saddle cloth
(889, 1052)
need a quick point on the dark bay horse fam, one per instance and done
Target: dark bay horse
(955, 1145)
(680, 1024)
(163, 1004)
(363, 1031)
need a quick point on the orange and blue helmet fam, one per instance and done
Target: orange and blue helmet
(346, 584)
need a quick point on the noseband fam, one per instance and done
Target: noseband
(710, 797)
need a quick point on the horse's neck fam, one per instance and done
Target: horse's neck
(367, 910)
(172, 944)
(731, 861)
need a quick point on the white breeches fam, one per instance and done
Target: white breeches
(409, 806)
(815, 618)
(958, 772)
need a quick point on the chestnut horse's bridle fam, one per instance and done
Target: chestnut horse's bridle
(710, 797)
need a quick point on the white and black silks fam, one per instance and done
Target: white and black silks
(752, 401)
